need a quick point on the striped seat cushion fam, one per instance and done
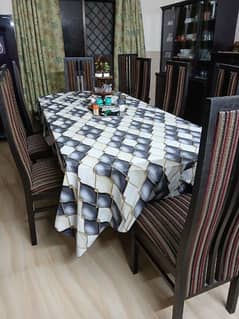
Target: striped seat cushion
(46, 176)
(37, 146)
(163, 223)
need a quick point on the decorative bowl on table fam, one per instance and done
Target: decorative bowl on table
(103, 91)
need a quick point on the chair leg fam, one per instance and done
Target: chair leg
(178, 307)
(134, 253)
(233, 295)
(31, 221)
(179, 297)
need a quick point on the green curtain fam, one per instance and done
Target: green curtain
(129, 31)
(40, 47)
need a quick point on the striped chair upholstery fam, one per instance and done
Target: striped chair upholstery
(45, 176)
(217, 196)
(36, 145)
(79, 73)
(127, 73)
(196, 238)
(176, 87)
(40, 179)
(226, 80)
(163, 222)
(142, 79)
(21, 99)
(10, 115)
(219, 83)
(168, 87)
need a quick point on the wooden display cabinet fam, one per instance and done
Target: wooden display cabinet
(194, 30)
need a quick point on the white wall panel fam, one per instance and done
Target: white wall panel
(6, 7)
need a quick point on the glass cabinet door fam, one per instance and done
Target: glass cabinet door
(188, 34)
(207, 27)
(185, 42)
(169, 20)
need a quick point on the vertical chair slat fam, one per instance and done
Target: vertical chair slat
(22, 103)
(142, 79)
(233, 84)
(168, 87)
(176, 87)
(180, 90)
(126, 70)
(79, 73)
(225, 80)
(219, 83)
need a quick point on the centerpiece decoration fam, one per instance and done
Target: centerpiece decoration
(102, 67)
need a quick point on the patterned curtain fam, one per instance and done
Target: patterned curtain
(129, 31)
(40, 47)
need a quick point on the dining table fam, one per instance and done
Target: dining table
(114, 165)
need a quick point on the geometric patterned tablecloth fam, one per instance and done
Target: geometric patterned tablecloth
(114, 165)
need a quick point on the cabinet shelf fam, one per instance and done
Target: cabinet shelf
(191, 22)
(183, 58)
(184, 41)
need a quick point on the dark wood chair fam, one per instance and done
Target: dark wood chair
(37, 146)
(79, 73)
(175, 89)
(142, 79)
(41, 180)
(194, 239)
(225, 80)
(127, 73)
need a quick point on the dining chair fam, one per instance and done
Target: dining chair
(79, 73)
(142, 79)
(127, 72)
(176, 87)
(37, 146)
(225, 80)
(41, 180)
(193, 239)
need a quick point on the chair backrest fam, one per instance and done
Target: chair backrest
(225, 80)
(13, 127)
(21, 99)
(209, 250)
(142, 79)
(176, 87)
(126, 71)
(79, 73)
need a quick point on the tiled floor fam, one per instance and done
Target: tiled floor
(48, 281)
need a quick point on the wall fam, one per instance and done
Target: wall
(6, 7)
